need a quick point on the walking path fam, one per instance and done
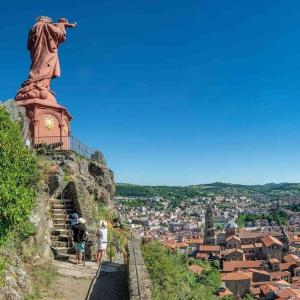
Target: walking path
(73, 282)
(78, 282)
(111, 284)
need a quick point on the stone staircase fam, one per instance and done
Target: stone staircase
(61, 210)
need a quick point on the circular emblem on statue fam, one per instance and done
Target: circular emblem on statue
(49, 123)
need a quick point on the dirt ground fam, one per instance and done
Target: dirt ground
(65, 288)
(73, 281)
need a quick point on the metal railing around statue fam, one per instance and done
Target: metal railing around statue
(67, 143)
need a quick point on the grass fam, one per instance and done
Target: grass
(2, 271)
(43, 277)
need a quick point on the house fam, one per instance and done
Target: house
(237, 282)
(268, 291)
(210, 250)
(193, 244)
(280, 275)
(274, 264)
(233, 254)
(272, 247)
(233, 242)
(182, 248)
(259, 275)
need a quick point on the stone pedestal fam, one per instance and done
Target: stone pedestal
(49, 122)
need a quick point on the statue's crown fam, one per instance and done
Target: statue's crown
(43, 18)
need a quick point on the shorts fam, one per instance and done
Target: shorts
(79, 247)
(101, 246)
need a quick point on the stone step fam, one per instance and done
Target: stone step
(64, 250)
(67, 206)
(60, 222)
(60, 238)
(61, 244)
(62, 211)
(60, 232)
(59, 216)
(60, 226)
(59, 201)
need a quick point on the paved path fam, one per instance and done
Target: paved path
(111, 284)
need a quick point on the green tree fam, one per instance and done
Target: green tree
(171, 279)
(18, 178)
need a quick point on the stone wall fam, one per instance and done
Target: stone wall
(139, 281)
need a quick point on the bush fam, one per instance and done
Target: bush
(18, 178)
(171, 279)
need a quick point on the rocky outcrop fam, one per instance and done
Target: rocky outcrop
(17, 279)
(86, 182)
(18, 115)
(89, 177)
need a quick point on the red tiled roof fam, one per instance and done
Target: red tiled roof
(258, 271)
(239, 275)
(181, 245)
(230, 251)
(201, 255)
(268, 288)
(195, 269)
(233, 237)
(291, 258)
(274, 261)
(229, 266)
(209, 248)
(270, 240)
(288, 293)
(248, 246)
(194, 241)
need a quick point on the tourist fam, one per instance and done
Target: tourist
(73, 219)
(79, 237)
(101, 241)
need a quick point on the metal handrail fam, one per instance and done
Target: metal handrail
(66, 143)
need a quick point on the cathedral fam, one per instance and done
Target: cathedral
(209, 231)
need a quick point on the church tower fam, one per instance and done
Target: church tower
(209, 234)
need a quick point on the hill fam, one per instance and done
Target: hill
(266, 191)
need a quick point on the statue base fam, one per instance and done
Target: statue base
(49, 122)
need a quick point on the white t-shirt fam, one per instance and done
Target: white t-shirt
(102, 235)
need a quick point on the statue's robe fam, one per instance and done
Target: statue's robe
(43, 41)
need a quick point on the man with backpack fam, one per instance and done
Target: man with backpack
(79, 237)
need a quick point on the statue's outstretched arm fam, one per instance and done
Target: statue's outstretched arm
(66, 24)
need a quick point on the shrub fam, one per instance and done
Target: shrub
(171, 279)
(18, 178)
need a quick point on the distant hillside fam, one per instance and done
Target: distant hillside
(269, 190)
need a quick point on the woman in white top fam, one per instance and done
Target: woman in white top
(101, 241)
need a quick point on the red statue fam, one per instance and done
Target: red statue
(43, 41)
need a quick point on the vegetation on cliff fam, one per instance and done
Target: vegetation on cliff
(18, 191)
(171, 279)
(18, 179)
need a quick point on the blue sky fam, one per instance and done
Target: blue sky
(174, 92)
